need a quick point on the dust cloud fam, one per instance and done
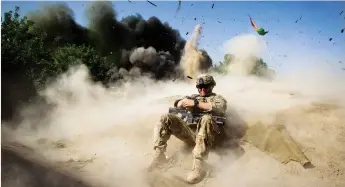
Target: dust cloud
(106, 134)
(244, 48)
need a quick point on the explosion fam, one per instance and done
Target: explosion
(102, 135)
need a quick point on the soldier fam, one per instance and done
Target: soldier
(204, 136)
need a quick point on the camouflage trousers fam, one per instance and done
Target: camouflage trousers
(202, 139)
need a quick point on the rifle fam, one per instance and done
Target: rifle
(194, 118)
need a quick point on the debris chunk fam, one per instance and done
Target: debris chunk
(151, 3)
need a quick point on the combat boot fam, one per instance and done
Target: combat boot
(158, 158)
(198, 172)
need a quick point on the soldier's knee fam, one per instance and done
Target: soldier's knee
(165, 118)
(206, 119)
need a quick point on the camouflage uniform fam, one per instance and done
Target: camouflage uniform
(204, 136)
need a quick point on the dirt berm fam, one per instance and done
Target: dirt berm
(20, 167)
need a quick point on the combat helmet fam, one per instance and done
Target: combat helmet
(205, 79)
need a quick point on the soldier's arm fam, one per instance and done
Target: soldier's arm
(178, 102)
(205, 106)
(219, 105)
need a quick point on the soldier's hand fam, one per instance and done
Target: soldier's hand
(187, 103)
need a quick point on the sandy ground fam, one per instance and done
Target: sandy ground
(254, 168)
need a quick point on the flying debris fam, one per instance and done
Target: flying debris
(261, 31)
(151, 3)
(342, 31)
(194, 18)
(187, 33)
(189, 77)
(298, 19)
(212, 5)
(341, 13)
(178, 7)
(330, 39)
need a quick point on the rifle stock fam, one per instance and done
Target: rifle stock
(194, 118)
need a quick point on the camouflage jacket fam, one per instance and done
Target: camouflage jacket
(219, 104)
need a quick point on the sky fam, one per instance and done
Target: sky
(290, 45)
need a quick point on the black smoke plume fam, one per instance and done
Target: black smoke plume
(150, 45)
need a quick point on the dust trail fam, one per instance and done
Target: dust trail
(106, 134)
(194, 61)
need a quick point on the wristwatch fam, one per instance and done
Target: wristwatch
(195, 108)
(196, 102)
